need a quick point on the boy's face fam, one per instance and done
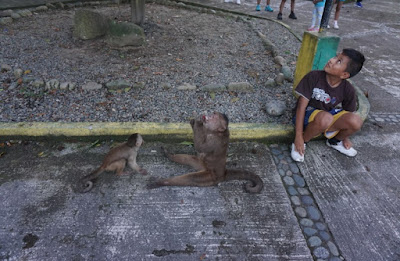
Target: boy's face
(337, 66)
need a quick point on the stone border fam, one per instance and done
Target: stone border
(312, 223)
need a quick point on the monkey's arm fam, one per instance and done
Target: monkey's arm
(133, 165)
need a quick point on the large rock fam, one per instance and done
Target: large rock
(89, 25)
(125, 34)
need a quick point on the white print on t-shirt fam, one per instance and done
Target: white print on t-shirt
(321, 95)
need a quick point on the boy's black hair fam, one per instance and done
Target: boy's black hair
(356, 62)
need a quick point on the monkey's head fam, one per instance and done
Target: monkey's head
(216, 122)
(135, 140)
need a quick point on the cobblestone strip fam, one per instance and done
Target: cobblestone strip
(311, 221)
(389, 118)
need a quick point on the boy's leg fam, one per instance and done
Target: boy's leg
(317, 125)
(346, 125)
(316, 121)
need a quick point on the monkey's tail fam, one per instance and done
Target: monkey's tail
(254, 186)
(87, 181)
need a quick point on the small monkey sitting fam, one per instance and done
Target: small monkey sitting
(116, 160)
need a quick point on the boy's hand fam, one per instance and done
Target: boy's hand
(299, 146)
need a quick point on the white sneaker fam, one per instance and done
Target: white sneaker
(295, 155)
(339, 147)
(335, 25)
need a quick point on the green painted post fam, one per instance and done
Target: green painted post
(315, 51)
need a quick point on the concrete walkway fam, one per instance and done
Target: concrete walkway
(328, 208)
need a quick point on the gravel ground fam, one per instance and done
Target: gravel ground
(183, 46)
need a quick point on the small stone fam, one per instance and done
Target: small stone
(303, 191)
(67, 86)
(332, 247)
(15, 16)
(299, 180)
(5, 68)
(92, 86)
(5, 20)
(307, 200)
(301, 212)
(279, 79)
(314, 241)
(166, 85)
(324, 235)
(213, 88)
(275, 107)
(288, 181)
(5, 13)
(320, 226)
(314, 213)
(270, 83)
(280, 60)
(38, 83)
(240, 87)
(138, 85)
(306, 222)
(292, 191)
(309, 231)
(51, 6)
(295, 200)
(321, 252)
(187, 87)
(118, 84)
(25, 13)
(276, 151)
(294, 168)
(41, 8)
(18, 73)
(52, 84)
(335, 259)
(287, 73)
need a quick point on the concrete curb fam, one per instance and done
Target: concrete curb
(150, 130)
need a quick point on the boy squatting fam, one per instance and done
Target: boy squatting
(320, 92)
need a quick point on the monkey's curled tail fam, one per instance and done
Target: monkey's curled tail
(254, 186)
(87, 181)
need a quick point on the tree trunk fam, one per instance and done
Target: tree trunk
(137, 11)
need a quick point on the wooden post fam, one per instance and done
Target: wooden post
(137, 11)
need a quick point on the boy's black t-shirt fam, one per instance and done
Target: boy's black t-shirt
(315, 88)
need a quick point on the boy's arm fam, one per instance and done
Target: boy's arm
(299, 126)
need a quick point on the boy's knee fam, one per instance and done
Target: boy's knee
(355, 121)
(324, 120)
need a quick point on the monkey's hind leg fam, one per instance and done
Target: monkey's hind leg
(185, 159)
(194, 179)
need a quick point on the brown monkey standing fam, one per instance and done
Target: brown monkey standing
(116, 160)
(211, 139)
